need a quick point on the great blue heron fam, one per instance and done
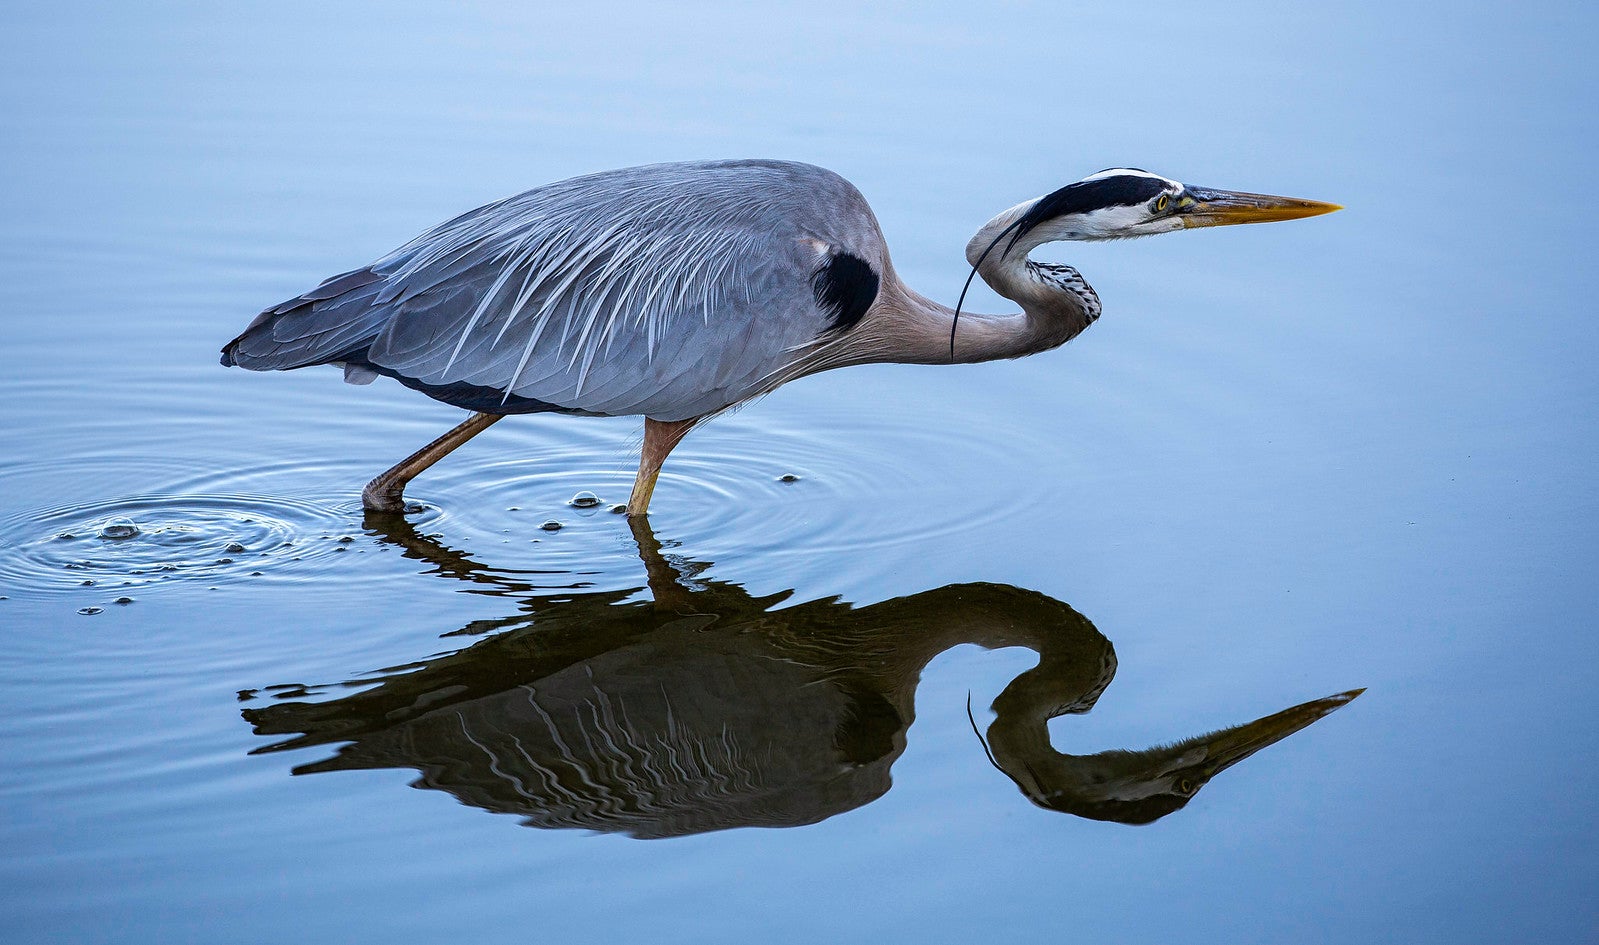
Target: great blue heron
(676, 291)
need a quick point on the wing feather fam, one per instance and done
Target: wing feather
(654, 290)
(670, 290)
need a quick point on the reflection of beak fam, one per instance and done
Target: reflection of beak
(1225, 207)
(1227, 748)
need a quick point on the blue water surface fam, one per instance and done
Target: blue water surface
(1290, 461)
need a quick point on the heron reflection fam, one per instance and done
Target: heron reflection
(707, 708)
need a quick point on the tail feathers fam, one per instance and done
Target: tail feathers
(326, 324)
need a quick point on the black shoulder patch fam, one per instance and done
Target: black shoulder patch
(845, 288)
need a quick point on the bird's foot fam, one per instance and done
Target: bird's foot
(384, 495)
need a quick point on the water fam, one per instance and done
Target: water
(1289, 462)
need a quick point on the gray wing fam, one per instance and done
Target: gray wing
(670, 290)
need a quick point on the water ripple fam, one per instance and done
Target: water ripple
(122, 544)
(738, 487)
(800, 491)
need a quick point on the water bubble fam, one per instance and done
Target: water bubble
(234, 548)
(552, 526)
(85, 583)
(123, 601)
(224, 561)
(65, 536)
(584, 500)
(90, 611)
(118, 529)
(618, 509)
(788, 477)
(345, 539)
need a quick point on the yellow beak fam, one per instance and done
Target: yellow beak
(1201, 206)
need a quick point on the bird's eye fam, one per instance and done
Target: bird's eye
(1160, 205)
(1185, 786)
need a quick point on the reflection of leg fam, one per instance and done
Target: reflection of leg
(659, 438)
(664, 580)
(386, 493)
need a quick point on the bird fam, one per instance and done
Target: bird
(678, 291)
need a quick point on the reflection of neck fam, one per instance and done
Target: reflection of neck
(906, 634)
(1062, 683)
(894, 640)
(1133, 787)
(1072, 654)
(1019, 735)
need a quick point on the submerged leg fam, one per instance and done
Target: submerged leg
(659, 438)
(386, 493)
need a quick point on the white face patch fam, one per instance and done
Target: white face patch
(1105, 209)
(1111, 221)
(1106, 223)
(1117, 221)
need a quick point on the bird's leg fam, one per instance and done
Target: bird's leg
(386, 493)
(659, 438)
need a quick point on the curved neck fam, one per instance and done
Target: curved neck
(905, 326)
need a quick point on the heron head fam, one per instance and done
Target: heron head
(1123, 202)
(1117, 203)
